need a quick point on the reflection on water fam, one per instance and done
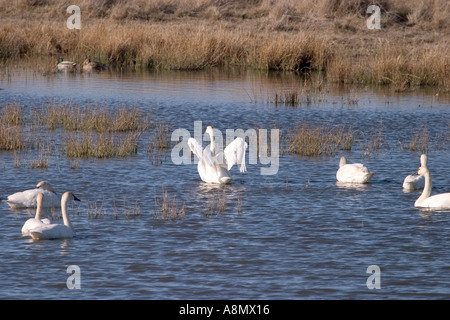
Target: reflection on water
(295, 235)
(352, 186)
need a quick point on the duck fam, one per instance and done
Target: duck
(36, 221)
(66, 65)
(89, 65)
(214, 167)
(352, 172)
(413, 182)
(426, 200)
(56, 231)
(28, 198)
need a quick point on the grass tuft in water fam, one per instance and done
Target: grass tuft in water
(101, 145)
(11, 138)
(315, 141)
(166, 208)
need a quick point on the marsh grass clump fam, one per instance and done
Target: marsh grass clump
(101, 145)
(290, 98)
(166, 208)
(161, 137)
(216, 203)
(372, 141)
(314, 141)
(12, 115)
(296, 98)
(159, 142)
(91, 118)
(128, 211)
(95, 210)
(12, 138)
(11, 122)
(420, 140)
(43, 156)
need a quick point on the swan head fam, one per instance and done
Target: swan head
(209, 130)
(68, 195)
(44, 185)
(423, 165)
(342, 162)
(423, 160)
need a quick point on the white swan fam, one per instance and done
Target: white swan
(36, 221)
(214, 167)
(352, 172)
(413, 182)
(27, 198)
(56, 231)
(439, 201)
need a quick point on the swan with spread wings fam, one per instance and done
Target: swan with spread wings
(213, 166)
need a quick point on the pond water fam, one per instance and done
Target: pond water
(296, 234)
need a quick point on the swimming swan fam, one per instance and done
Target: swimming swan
(27, 198)
(439, 201)
(352, 172)
(413, 182)
(56, 231)
(36, 221)
(214, 167)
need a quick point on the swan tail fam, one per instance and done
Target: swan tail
(368, 176)
(225, 180)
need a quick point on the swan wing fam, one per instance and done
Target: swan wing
(27, 199)
(235, 154)
(51, 199)
(23, 199)
(203, 155)
(438, 201)
(195, 147)
(30, 224)
(355, 172)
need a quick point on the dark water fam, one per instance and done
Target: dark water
(293, 235)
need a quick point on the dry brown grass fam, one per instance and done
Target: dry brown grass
(12, 114)
(11, 138)
(329, 36)
(11, 119)
(168, 209)
(320, 140)
(101, 145)
(90, 118)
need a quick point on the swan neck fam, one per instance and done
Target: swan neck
(213, 145)
(426, 189)
(38, 211)
(64, 213)
(39, 200)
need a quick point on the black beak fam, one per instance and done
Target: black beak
(75, 198)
